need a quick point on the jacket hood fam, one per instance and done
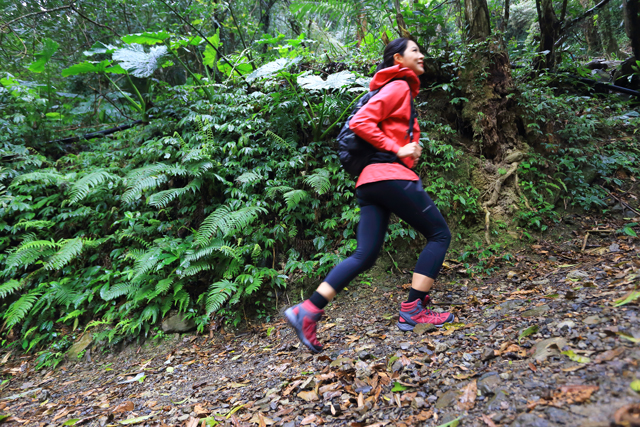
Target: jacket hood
(385, 75)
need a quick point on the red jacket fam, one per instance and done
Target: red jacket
(384, 121)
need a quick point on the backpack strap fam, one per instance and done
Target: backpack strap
(412, 120)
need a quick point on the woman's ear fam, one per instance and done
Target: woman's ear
(398, 59)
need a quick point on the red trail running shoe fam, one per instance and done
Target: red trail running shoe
(304, 318)
(412, 313)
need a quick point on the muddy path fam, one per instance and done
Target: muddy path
(538, 343)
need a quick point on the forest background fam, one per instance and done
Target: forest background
(164, 157)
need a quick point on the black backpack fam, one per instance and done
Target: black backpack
(356, 153)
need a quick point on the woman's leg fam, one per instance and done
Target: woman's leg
(410, 202)
(370, 235)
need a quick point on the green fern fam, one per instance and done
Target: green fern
(145, 263)
(81, 188)
(69, 249)
(8, 288)
(225, 220)
(30, 252)
(272, 191)
(37, 224)
(141, 185)
(294, 197)
(163, 198)
(249, 178)
(117, 290)
(49, 177)
(20, 308)
(218, 294)
(319, 181)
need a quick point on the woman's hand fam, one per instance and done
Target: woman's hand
(412, 150)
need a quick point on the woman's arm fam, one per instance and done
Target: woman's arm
(365, 123)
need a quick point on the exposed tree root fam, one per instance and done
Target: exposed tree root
(494, 199)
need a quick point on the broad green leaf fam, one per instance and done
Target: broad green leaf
(452, 423)
(334, 81)
(398, 387)
(240, 65)
(148, 38)
(86, 67)
(71, 422)
(272, 68)
(630, 297)
(4, 417)
(116, 69)
(138, 62)
(210, 53)
(100, 48)
(629, 337)
(136, 420)
(575, 357)
(50, 47)
(635, 385)
(529, 331)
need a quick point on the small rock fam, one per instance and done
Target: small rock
(441, 348)
(496, 402)
(515, 156)
(592, 320)
(184, 417)
(506, 375)
(447, 399)
(76, 349)
(489, 382)
(422, 328)
(487, 354)
(467, 356)
(178, 323)
(536, 311)
(578, 274)
(614, 247)
(568, 324)
(405, 345)
(418, 402)
(530, 420)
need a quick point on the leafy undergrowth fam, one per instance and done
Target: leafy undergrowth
(551, 340)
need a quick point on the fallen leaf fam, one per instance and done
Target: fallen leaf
(575, 357)
(488, 421)
(309, 396)
(635, 385)
(308, 420)
(609, 355)
(193, 422)
(529, 331)
(468, 398)
(628, 415)
(200, 411)
(124, 407)
(136, 420)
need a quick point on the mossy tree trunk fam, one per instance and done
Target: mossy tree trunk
(606, 27)
(550, 30)
(632, 24)
(590, 31)
(486, 82)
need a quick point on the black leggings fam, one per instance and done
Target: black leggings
(410, 202)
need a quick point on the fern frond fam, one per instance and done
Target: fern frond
(145, 263)
(272, 191)
(20, 308)
(50, 177)
(117, 290)
(163, 198)
(139, 186)
(248, 178)
(196, 268)
(37, 224)
(9, 288)
(30, 252)
(218, 294)
(213, 246)
(150, 312)
(69, 249)
(294, 197)
(63, 292)
(81, 188)
(319, 181)
(225, 220)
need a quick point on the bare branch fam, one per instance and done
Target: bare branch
(92, 21)
(34, 13)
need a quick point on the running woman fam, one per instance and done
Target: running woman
(383, 188)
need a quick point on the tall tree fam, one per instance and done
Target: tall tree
(632, 24)
(606, 27)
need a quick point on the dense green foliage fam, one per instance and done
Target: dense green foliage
(231, 190)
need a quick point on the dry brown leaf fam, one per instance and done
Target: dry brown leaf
(193, 422)
(308, 420)
(360, 400)
(609, 355)
(60, 414)
(309, 396)
(628, 415)
(124, 407)
(200, 411)
(468, 397)
(488, 421)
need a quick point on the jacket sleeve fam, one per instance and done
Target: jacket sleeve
(365, 123)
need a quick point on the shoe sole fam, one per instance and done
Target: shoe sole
(406, 327)
(292, 321)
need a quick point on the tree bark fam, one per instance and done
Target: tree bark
(402, 26)
(590, 31)
(605, 25)
(550, 27)
(632, 24)
(476, 14)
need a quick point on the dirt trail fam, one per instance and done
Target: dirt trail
(539, 344)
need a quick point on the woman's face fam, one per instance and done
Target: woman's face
(412, 58)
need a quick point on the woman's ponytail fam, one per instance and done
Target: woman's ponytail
(396, 46)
